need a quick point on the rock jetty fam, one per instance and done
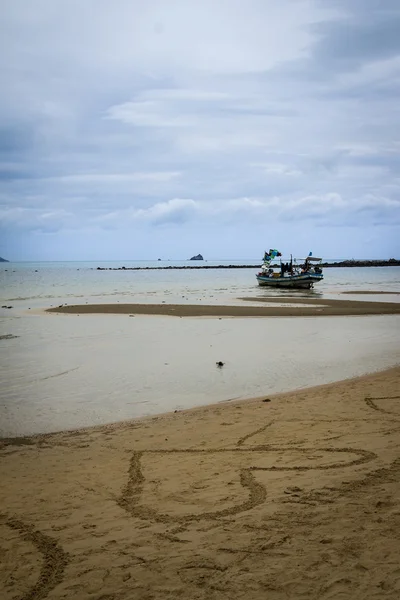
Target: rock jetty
(392, 262)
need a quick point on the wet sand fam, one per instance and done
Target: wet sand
(311, 307)
(370, 292)
(295, 497)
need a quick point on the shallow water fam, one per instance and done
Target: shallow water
(62, 372)
(66, 371)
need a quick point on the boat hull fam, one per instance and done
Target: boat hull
(305, 281)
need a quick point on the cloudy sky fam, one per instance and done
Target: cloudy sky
(135, 129)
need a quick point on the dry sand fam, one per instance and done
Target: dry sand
(312, 307)
(293, 498)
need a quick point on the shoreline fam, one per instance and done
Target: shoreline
(297, 496)
(104, 428)
(313, 307)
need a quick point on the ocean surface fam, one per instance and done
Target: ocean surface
(62, 371)
(44, 284)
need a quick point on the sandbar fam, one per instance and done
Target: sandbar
(370, 292)
(312, 307)
(291, 496)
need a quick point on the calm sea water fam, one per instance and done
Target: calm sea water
(63, 371)
(44, 284)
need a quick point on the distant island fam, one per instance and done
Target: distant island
(197, 257)
(3, 260)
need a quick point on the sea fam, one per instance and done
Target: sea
(62, 372)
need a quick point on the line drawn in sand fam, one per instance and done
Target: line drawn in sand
(372, 404)
(130, 499)
(54, 558)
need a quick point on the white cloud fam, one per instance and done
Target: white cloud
(115, 178)
(175, 209)
(277, 169)
(147, 114)
(271, 209)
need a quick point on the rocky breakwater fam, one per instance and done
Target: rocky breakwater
(392, 262)
(171, 267)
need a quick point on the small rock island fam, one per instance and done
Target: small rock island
(197, 257)
(3, 259)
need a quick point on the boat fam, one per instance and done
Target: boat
(298, 273)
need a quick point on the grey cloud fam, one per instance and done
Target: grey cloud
(363, 8)
(361, 33)
(348, 43)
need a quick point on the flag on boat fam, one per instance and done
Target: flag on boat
(268, 256)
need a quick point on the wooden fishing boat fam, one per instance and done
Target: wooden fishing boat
(298, 273)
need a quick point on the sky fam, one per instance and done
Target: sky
(138, 129)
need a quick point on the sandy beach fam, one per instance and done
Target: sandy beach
(292, 496)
